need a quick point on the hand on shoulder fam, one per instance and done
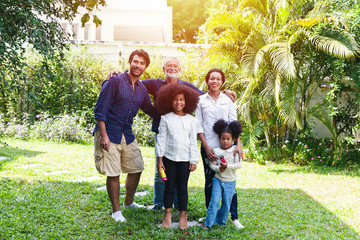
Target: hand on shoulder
(112, 72)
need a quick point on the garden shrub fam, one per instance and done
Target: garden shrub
(63, 128)
(70, 128)
(313, 151)
(71, 85)
(306, 149)
(58, 103)
(142, 130)
(256, 154)
(351, 152)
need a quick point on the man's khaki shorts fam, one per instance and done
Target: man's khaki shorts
(121, 158)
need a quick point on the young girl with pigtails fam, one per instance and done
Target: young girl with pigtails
(224, 181)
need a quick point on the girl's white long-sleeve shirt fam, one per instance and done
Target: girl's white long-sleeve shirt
(234, 162)
(177, 138)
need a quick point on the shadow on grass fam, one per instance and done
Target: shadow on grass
(65, 210)
(13, 153)
(287, 213)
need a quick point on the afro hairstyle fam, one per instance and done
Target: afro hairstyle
(233, 127)
(167, 93)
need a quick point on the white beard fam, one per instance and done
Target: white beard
(172, 75)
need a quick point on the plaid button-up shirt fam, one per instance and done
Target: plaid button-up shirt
(118, 104)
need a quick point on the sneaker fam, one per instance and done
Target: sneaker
(237, 224)
(156, 207)
(134, 205)
(118, 216)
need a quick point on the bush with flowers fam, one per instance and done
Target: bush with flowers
(256, 154)
(14, 128)
(63, 128)
(278, 154)
(307, 150)
(68, 128)
(312, 150)
(142, 130)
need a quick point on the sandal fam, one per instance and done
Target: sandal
(204, 227)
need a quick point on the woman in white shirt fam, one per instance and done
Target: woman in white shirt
(177, 151)
(212, 106)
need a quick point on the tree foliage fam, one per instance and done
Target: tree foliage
(188, 16)
(73, 88)
(35, 23)
(281, 48)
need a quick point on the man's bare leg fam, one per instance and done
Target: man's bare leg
(131, 183)
(113, 189)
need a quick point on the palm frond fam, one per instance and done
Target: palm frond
(251, 134)
(325, 8)
(253, 52)
(333, 47)
(287, 109)
(254, 7)
(277, 89)
(244, 104)
(283, 11)
(227, 20)
(282, 58)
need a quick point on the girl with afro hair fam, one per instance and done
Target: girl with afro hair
(224, 182)
(177, 151)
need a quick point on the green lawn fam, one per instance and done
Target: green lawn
(49, 191)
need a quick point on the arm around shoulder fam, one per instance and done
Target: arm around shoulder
(231, 94)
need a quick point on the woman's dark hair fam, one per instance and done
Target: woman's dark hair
(140, 53)
(234, 128)
(215, 70)
(167, 93)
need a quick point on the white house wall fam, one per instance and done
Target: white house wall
(125, 20)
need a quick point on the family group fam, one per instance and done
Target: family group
(176, 129)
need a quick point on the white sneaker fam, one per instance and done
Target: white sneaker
(237, 224)
(134, 205)
(118, 216)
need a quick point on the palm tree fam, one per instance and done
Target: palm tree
(268, 39)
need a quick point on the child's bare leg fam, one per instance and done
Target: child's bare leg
(183, 220)
(167, 218)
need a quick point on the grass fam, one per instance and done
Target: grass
(49, 191)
